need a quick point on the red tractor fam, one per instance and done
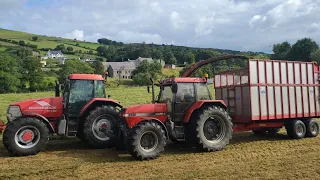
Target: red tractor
(82, 111)
(250, 98)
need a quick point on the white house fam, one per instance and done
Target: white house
(54, 55)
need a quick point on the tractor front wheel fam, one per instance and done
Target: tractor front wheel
(100, 127)
(146, 141)
(212, 129)
(25, 136)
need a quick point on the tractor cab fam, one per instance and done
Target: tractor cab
(78, 90)
(181, 93)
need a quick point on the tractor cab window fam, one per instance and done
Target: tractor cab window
(185, 92)
(203, 92)
(165, 94)
(99, 91)
(81, 90)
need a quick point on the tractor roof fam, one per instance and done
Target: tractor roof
(183, 80)
(86, 77)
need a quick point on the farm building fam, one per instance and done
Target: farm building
(124, 69)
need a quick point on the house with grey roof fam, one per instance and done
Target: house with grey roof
(58, 55)
(124, 69)
(54, 54)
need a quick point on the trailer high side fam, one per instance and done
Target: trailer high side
(269, 93)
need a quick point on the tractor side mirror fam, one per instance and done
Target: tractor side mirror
(174, 87)
(148, 89)
(57, 89)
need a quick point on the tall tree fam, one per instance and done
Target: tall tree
(190, 57)
(315, 56)
(9, 75)
(98, 67)
(302, 49)
(281, 50)
(32, 73)
(74, 66)
(169, 58)
(110, 71)
(61, 47)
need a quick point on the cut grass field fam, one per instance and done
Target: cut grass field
(246, 157)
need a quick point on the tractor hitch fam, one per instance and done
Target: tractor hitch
(2, 126)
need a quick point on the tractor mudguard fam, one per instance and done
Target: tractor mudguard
(199, 104)
(41, 118)
(158, 122)
(100, 101)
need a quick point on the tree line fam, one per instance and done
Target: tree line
(170, 54)
(304, 49)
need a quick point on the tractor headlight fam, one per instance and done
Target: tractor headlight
(13, 112)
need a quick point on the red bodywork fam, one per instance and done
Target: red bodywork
(47, 107)
(2, 126)
(142, 112)
(86, 77)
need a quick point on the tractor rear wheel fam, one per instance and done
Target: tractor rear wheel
(146, 141)
(25, 136)
(211, 129)
(100, 127)
(312, 128)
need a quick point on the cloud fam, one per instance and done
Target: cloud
(233, 24)
(128, 36)
(75, 34)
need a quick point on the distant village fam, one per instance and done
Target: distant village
(120, 69)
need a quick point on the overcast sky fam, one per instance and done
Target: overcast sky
(245, 25)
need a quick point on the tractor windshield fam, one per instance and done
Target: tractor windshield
(165, 94)
(81, 90)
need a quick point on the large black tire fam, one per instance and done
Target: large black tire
(143, 135)
(312, 128)
(208, 123)
(295, 129)
(100, 127)
(25, 136)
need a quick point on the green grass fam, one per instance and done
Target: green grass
(7, 44)
(46, 41)
(2, 49)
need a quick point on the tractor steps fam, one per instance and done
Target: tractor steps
(179, 131)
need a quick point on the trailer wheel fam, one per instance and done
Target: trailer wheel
(146, 141)
(212, 129)
(312, 128)
(25, 136)
(100, 127)
(295, 129)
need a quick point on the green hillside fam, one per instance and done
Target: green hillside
(44, 43)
